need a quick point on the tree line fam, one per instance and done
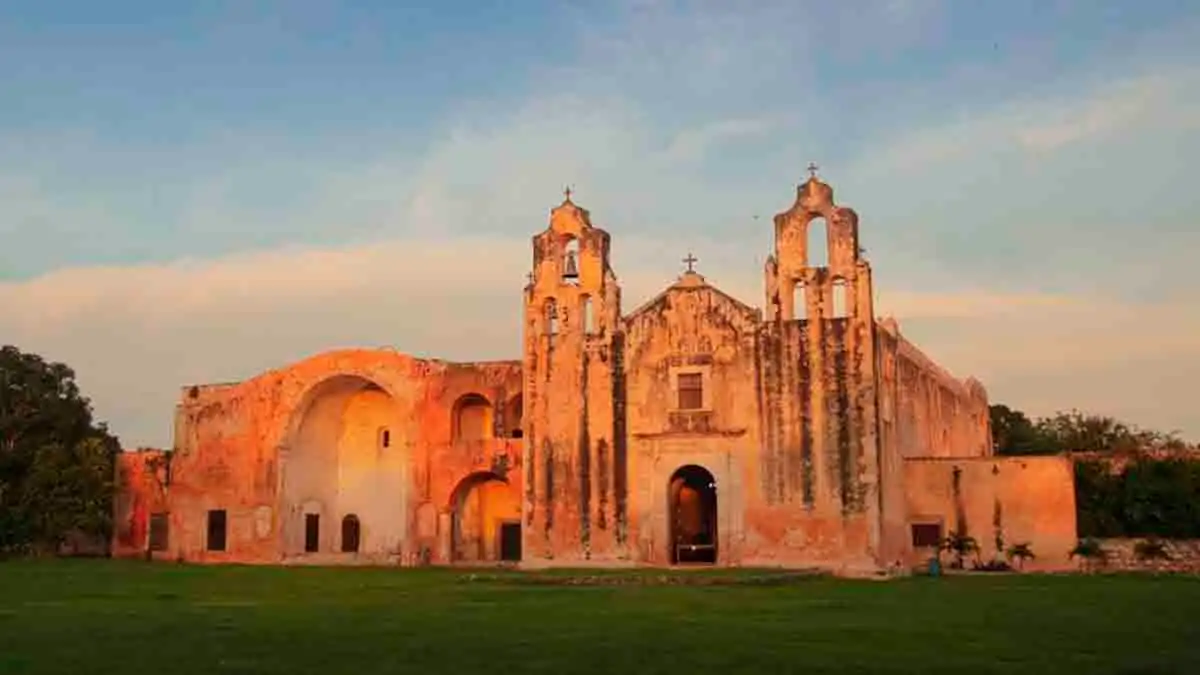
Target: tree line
(1129, 482)
(57, 464)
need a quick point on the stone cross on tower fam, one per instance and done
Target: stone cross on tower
(690, 260)
(812, 169)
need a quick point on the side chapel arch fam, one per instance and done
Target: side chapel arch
(485, 520)
(330, 463)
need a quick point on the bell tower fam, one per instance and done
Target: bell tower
(574, 432)
(821, 335)
(817, 270)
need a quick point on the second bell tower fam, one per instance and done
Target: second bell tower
(574, 432)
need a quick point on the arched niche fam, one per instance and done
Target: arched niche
(473, 418)
(335, 458)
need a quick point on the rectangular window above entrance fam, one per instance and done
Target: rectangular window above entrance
(691, 391)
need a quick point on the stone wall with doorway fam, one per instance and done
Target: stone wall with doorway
(998, 501)
(140, 502)
(270, 469)
(691, 403)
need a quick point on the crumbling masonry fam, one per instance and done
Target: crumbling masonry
(695, 429)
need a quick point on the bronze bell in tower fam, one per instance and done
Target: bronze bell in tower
(571, 269)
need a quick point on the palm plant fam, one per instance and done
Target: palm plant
(1021, 552)
(1089, 552)
(961, 545)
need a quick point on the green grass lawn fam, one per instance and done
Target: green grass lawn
(132, 617)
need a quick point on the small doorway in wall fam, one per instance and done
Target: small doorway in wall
(351, 530)
(692, 503)
(312, 532)
(510, 541)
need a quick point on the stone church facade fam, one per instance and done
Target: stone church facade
(695, 429)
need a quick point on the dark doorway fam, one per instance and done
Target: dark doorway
(350, 534)
(158, 531)
(312, 532)
(510, 541)
(216, 530)
(693, 512)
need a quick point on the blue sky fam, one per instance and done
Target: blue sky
(200, 191)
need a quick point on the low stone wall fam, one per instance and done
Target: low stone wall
(1121, 555)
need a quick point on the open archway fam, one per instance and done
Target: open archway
(692, 509)
(485, 520)
(345, 454)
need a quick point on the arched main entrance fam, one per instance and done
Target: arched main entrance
(692, 508)
(485, 520)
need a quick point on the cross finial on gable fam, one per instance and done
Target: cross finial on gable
(690, 261)
(812, 169)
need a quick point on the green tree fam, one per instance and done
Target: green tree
(56, 463)
(1015, 434)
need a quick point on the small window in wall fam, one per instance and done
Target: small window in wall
(691, 391)
(158, 532)
(926, 535)
(551, 317)
(840, 299)
(800, 301)
(312, 532)
(350, 534)
(385, 437)
(589, 319)
(216, 530)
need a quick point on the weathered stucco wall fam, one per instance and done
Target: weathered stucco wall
(925, 411)
(351, 433)
(820, 494)
(576, 494)
(141, 478)
(691, 329)
(1021, 499)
